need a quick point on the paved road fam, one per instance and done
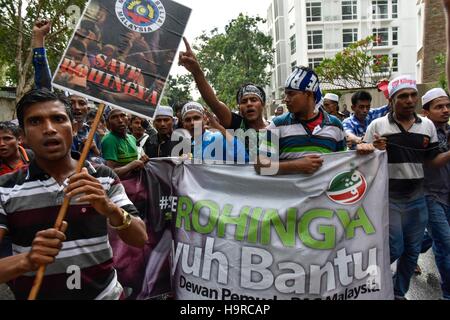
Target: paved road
(423, 287)
(426, 286)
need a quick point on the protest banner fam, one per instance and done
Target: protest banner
(238, 235)
(122, 52)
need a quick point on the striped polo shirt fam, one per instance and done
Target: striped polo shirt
(296, 140)
(29, 202)
(407, 152)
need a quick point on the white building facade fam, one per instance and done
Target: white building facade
(307, 31)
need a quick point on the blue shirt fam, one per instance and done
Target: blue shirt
(354, 126)
(82, 134)
(233, 151)
(42, 75)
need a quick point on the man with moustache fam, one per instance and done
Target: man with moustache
(356, 125)
(307, 130)
(250, 98)
(32, 197)
(331, 105)
(138, 131)
(80, 110)
(119, 148)
(436, 105)
(411, 142)
(160, 145)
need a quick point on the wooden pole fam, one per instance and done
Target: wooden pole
(65, 206)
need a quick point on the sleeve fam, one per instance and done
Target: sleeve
(433, 148)
(348, 126)
(109, 150)
(3, 220)
(236, 121)
(341, 136)
(42, 74)
(342, 143)
(269, 143)
(370, 133)
(378, 113)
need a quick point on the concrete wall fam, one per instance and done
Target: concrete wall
(7, 107)
(434, 40)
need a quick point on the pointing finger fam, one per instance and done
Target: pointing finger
(188, 46)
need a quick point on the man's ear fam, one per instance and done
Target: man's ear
(425, 112)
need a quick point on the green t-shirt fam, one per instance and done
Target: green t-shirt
(120, 150)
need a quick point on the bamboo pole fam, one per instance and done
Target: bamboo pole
(65, 206)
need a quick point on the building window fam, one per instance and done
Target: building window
(395, 36)
(349, 36)
(313, 11)
(394, 9)
(292, 18)
(395, 62)
(380, 9)
(381, 37)
(314, 62)
(349, 10)
(315, 39)
(293, 45)
(293, 65)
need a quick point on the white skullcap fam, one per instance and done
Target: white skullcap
(192, 107)
(332, 97)
(433, 94)
(163, 111)
(400, 83)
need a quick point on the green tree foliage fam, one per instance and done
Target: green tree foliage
(355, 66)
(178, 90)
(441, 60)
(240, 55)
(17, 18)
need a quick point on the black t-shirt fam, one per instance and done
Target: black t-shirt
(155, 147)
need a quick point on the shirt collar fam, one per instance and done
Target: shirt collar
(34, 172)
(326, 117)
(392, 119)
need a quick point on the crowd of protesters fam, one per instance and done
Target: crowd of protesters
(38, 160)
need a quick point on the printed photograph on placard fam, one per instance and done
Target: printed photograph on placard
(122, 51)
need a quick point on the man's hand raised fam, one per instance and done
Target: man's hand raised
(188, 59)
(40, 30)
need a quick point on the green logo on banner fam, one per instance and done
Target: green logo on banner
(347, 188)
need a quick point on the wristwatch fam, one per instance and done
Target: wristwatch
(126, 222)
